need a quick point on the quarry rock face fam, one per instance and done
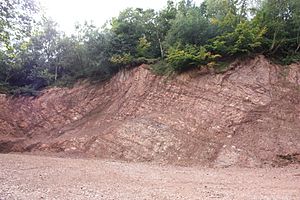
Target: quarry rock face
(247, 116)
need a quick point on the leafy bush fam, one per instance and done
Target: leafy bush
(124, 59)
(189, 56)
(245, 39)
(143, 47)
(289, 59)
(161, 68)
(24, 91)
(43, 55)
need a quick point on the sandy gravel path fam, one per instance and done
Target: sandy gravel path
(34, 177)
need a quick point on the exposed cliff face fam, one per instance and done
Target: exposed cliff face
(248, 116)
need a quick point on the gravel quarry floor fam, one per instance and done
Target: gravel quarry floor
(36, 177)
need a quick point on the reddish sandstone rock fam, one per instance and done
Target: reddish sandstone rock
(247, 116)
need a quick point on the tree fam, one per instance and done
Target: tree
(44, 42)
(282, 20)
(163, 23)
(130, 26)
(16, 18)
(246, 38)
(34, 60)
(183, 35)
(190, 27)
(227, 14)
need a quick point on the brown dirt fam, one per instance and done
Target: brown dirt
(32, 177)
(248, 116)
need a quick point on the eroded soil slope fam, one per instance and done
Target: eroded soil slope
(248, 116)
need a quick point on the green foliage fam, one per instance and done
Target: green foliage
(124, 59)
(289, 59)
(132, 25)
(163, 23)
(16, 17)
(143, 47)
(24, 91)
(189, 56)
(190, 27)
(282, 20)
(245, 39)
(162, 68)
(219, 9)
(181, 36)
(92, 55)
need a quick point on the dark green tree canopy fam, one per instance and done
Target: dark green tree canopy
(180, 36)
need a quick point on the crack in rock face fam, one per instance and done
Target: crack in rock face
(247, 116)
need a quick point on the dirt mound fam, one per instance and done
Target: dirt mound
(248, 116)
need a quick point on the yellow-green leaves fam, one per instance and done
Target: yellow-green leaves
(180, 58)
(123, 59)
(143, 47)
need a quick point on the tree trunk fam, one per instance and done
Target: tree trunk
(298, 42)
(161, 49)
(55, 76)
(277, 47)
(274, 41)
(160, 46)
(298, 47)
